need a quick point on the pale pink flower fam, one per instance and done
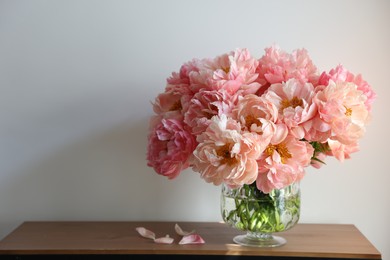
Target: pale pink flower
(341, 151)
(204, 78)
(293, 100)
(243, 66)
(277, 66)
(317, 129)
(251, 108)
(232, 72)
(203, 106)
(170, 145)
(225, 154)
(178, 90)
(257, 115)
(342, 106)
(182, 80)
(283, 163)
(200, 80)
(175, 98)
(168, 101)
(367, 90)
(341, 74)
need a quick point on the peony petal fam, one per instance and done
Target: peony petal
(181, 232)
(191, 239)
(164, 240)
(145, 233)
(280, 134)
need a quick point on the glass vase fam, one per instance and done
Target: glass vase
(259, 214)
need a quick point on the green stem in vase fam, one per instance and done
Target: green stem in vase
(256, 211)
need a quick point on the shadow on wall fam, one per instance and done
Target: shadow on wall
(101, 177)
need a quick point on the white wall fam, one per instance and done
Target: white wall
(77, 79)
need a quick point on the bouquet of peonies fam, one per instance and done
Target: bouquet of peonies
(240, 120)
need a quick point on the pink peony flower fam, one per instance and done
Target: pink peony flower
(182, 79)
(283, 163)
(277, 66)
(340, 74)
(293, 100)
(170, 145)
(342, 107)
(166, 102)
(225, 154)
(203, 106)
(231, 72)
(317, 129)
(238, 120)
(257, 115)
(341, 151)
(244, 66)
(176, 95)
(178, 90)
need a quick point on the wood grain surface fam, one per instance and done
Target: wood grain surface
(303, 240)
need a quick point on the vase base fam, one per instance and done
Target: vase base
(272, 241)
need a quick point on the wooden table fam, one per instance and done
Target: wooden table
(115, 240)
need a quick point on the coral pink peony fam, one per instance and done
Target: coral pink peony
(169, 146)
(342, 106)
(182, 79)
(203, 106)
(293, 100)
(224, 154)
(316, 129)
(340, 74)
(232, 72)
(341, 151)
(277, 66)
(257, 115)
(166, 102)
(178, 90)
(283, 163)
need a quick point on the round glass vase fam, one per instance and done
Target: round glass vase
(260, 214)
